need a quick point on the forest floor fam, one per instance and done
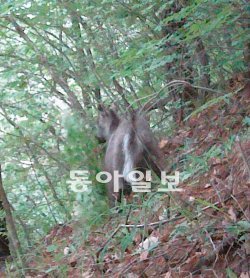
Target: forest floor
(206, 234)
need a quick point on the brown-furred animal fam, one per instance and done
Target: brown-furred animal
(130, 146)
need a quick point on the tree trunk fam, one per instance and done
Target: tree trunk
(204, 62)
(15, 244)
(4, 241)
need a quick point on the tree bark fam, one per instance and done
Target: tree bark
(15, 243)
(4, 241)
(204, 62)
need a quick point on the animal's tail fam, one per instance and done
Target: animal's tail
(131, 148)
(128, 158)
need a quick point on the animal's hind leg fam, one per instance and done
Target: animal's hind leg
(125, 190)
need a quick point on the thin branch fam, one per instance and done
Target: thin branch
(153, 225)
(243, 155)
(152, 104)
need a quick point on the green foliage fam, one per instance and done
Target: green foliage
(194, 164)
(180, 230)
(246, 121)
(239, 227)
(230, 273)
(56, 57)
(127, 240)
(52, 248)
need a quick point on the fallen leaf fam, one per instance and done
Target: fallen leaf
(244, 275)
(163, 143)
(131, 275)
(143, 255)
(168, 275)
(66, 251)
(149, 242)
(232, 214)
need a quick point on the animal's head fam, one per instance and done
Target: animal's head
(107, 122)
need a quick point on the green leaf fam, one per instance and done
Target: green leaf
(244, 224)
(126, 241)
(246, 120)
(230, 273)
(52, 248)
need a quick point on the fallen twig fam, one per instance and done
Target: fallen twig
(221, 248)
(153, 224)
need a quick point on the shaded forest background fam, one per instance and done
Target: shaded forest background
(59, 59)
